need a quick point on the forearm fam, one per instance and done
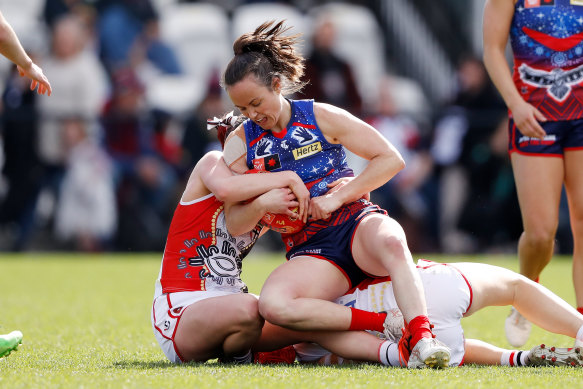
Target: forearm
(378, 172)
(242, 218)
(499, 72)
(247, 186)
(10, 46)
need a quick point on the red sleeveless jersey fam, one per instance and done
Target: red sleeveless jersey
(200, 254)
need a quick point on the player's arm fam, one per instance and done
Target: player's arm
(11, 48)
(235, 156)
(228, 187)
(242, 218)
(339, 126)
(498, 16)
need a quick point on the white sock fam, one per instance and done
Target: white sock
(389, 354)
(515, 358)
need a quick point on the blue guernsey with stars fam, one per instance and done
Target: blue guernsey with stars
(547, 43)
(300, 147)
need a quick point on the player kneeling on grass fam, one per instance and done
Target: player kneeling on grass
(456, 290)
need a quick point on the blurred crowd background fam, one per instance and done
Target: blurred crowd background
(100, 165)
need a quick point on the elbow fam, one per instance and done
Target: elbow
(399, 163)
(223, 193)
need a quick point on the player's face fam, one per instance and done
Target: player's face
(256, 101)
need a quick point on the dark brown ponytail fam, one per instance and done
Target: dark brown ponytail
(266, 54)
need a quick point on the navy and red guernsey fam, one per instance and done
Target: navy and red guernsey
(547, 43)
(300, 147)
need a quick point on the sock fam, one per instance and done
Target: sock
(580, 309)
(247, 358)
(514, 358)
(419, 328)
(389, 354)
(364, 320)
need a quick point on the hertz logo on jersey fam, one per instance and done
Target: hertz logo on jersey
(308, 150)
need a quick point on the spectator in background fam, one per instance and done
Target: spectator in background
(408, 196)
(19, 131)
(197, 140)
(86, 213)
(146, 183)
(129, 28)
(22, 168)
(461, 149)
(81, 86)
(54, 10)
(329, 78)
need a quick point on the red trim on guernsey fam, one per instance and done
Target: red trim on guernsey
(281, 134)
(308, 126)
(572, 148)
(553, 43)
(338, 267)
(252, 143)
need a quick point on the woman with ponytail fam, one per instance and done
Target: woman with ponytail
(346, 239)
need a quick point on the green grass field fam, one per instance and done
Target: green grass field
(86, 324)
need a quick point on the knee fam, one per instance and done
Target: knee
(395, 246)
(541, 235)
(276, 309)
(248, 317)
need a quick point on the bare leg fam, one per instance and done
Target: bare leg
(574, 186)
(218, 326)
(482, 353)
(539, 182)
(496, 286)
(380, 248)
(298, 295)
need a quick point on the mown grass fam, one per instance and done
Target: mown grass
(85, 320)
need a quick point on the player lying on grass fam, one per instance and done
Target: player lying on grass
(457, 290)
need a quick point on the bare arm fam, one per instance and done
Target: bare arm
(11, 48)
(497, 20)
(242, 218)
(339, 126)
(211, 174)
(237, 158)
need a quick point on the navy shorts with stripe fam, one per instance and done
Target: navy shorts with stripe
(561, 136)
(334, 244)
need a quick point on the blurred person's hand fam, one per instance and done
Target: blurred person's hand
(38, 78)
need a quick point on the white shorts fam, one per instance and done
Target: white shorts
(167, 310)
(448, 295)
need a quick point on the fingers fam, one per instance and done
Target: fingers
(304, 209)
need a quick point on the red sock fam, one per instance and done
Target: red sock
(419, 328)
(580, 309)
(364, 320)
